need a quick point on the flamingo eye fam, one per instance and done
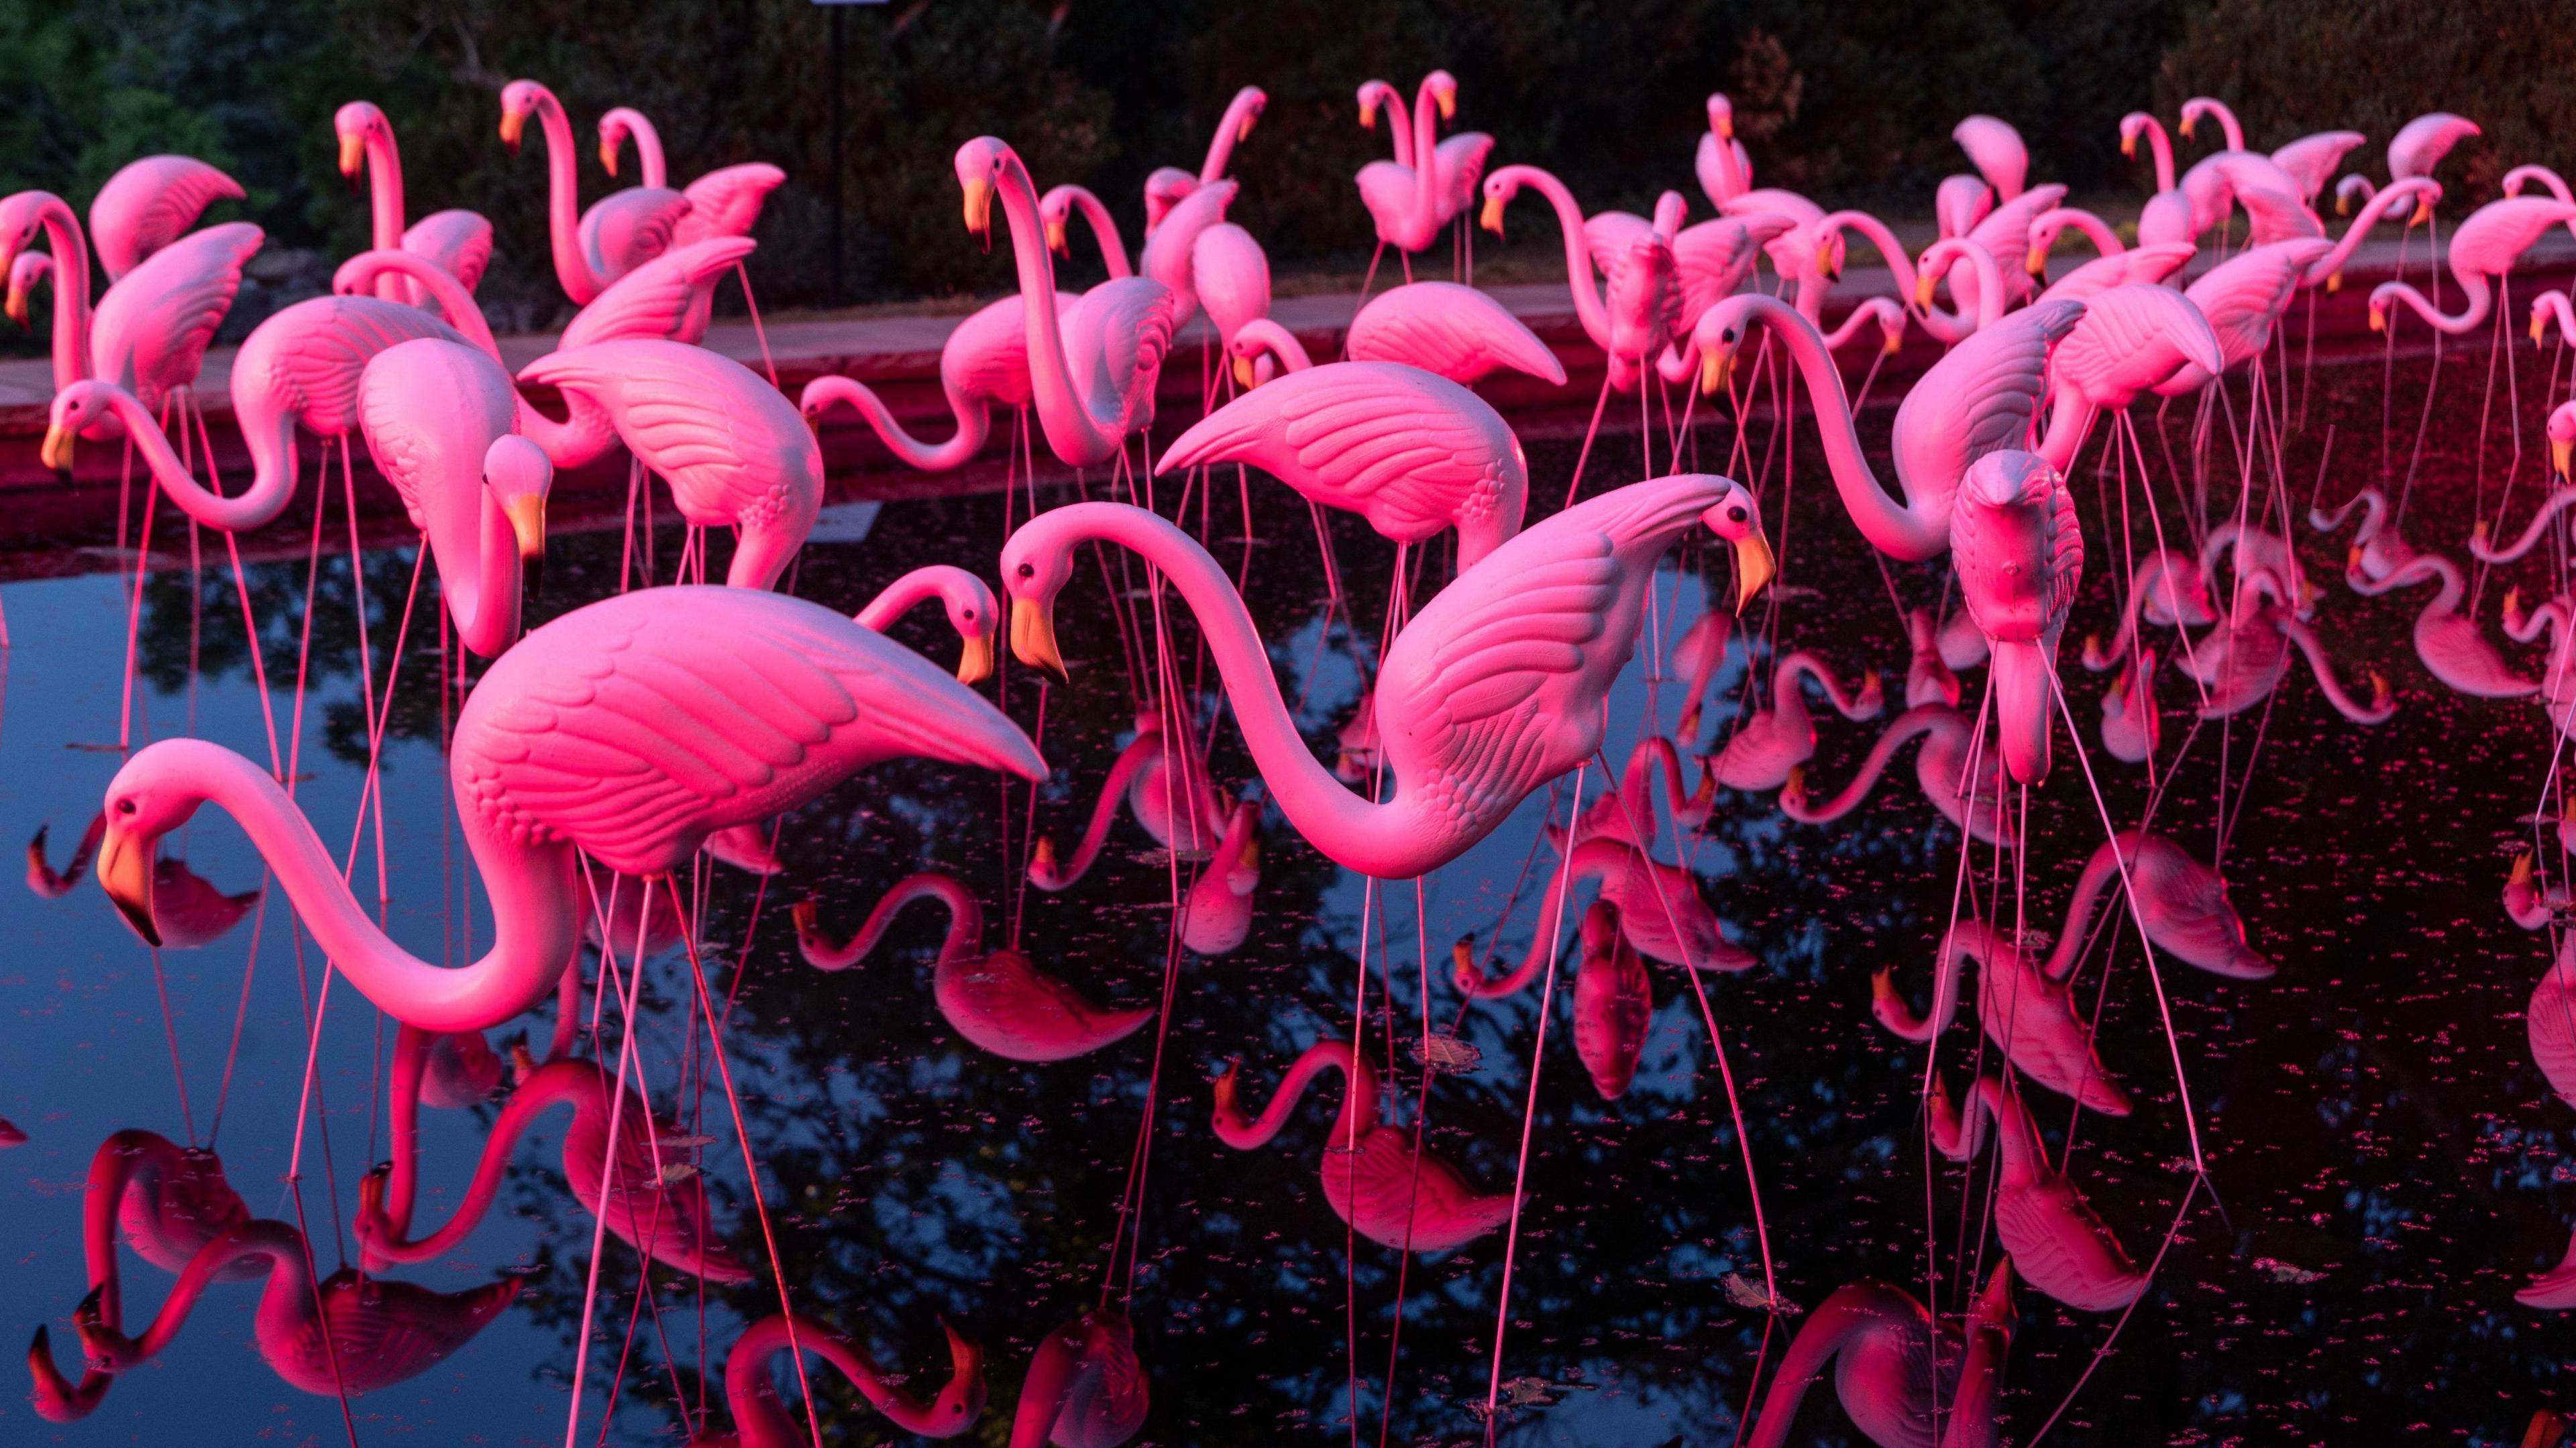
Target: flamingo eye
(1728, 336)
(1028, 570)
(1735, 513)
(125, 806)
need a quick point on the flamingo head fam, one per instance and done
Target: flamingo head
(1735, 518)
(519, 474)
(2192, 111)
(1165, 188)
(1253, 98)
(354, 123)
(78, 408)
(1500, 188)
(21, 217)
(2004, 478)
(1444, 93)
(1055, 213)
(57, 1398)
(147, 800)
(1034, 576)
(613, 131)
(1372, 93)
(960, 1402)
(2132, 126)
(977, 617)
(1721, 116)
(30, 268)
(2562, 437)
(520, 99)
(981, 164)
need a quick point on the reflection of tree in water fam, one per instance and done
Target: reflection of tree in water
(911, 1177)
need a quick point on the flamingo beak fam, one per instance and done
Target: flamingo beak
(2037, 262)
(1754, 567)
(1491, 218)
(353, 158)
(1714, 369)
(528, 525)
(2423, 212)
(513, 123)
(125, 872)
(979, 208)
(1825, 261)
(1448, 100)
(1033, 638)
(2378, 320)
(56, 453)
(1895, 338)
(2561, 452)
(2186, 126)
(1243, 133)
(1245, 376)
(1796, 788)
(2129, 146)
(1368, 114)
(975, 660)
(2521, 871)
(2539, 323)
(1726, 128)
(608, 157)
(18, 310)
(1923, 285)
(1057, 242)
(2334, 283)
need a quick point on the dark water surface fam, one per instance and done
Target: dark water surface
(2371, 1115)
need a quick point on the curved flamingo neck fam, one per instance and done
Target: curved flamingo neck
(2093, 228)
(1371, 838)
(563, 202)
(535, 929)
(2476, 297)
(272, 479)
(2016, 1135)
(1238, 114)
(1924, 719)
(965, 914)
(1835, 1327)
(1399, 118)
(2098, 872)
(456, 306)
(285, 1304)
(586, 430)
(71, 291)
(1900, 265)
(573, 1081)
(2161, 146)
(761, 1418)
(1146, 749)
(384, 197)
(133, 1160)
(903, 595)
(1104, 227)
(1264, 335)
(2402, 193)
(1895, 529)
(1981, 265)
(482, 589)
(1070, 428)
(649, 168)
(1591, 860)
(1426, 150)
(1357, 1116)
(974, 425)
(1579, 276)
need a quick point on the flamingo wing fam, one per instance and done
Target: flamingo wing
(657, 298)
(312, 355)
(727, 201)
(1116, 338)
(459, 241)
(1455, 331)
(1713, 258)
(1980, 397)
(637, 725)
(2133, 337)
(1608, 235)
(2311, 160)
(151, 203)
(152, 329)
(727, 441)
(1400, 445)
(2242, 295)
(631, 227)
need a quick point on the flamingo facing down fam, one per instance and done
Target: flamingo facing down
(1899, 1373)
(735, 451)
(2021, 561)
(625, 230)
(149, 204)
(2182, 902)
(2131, 339)
(1633, 322)
(2484, 248)
(630, 729)
(345, 1334)
(653, 1200)
(2421, 143)
(1000, 1001)
(1975, 805)
(459, 242)
(1085, 1388)
(1413, 453)
(1982, 396)
(2453, 647)
(1491, 690)
(2032, 1020)
(1092, 367)
(438, 419)
(2059, 1245)
(760, 1420)
(1374, 1178)
(1774, 741)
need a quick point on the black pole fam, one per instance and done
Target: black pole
(840, 294)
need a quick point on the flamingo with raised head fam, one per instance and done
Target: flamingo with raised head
(1629, 313)
(723, 202)
(1491, 690)
(1724, 170)
(459, 241)
(1167, 186)
(626, 229)
(2059, 1244)
(706, 707)
(1430, 180)
(1374, 1177)
(999, 1001)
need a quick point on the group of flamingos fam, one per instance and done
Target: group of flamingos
(598, 755)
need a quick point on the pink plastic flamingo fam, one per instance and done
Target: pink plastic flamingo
(1182, 811)
(2058, 1243)
(760, 1420)
(723, 202)
(1167, 186)
(1373, 1177)
(1457, 332)
(1897, 1372)
(1774, 741)
(168, 1202)
(2243, 298)
(655, 1200)
(2250, 654)
(2421, 143)
(438, 419)
(2020, 559)
(734, 451)
(1093, 366)
(460, 242)
(2453, 647)
(2230, 133)
(984, 364)
(1492, 689)
(2132, 724)
(149, 204)
(1724, 170)
(1996, 150)
(1408, 199)
(630, 729)
(2310, 160)
(1085, 1388)
(2166, 218)
(2131, 339)
(1975, 805)
(2379, 550)
(2034, 1021)
(1980, 397)
(2558, 675)
(1000, 1002)
(623, 231)
(1633, 322)
(2141, 264)
(2182, 902)
(1413, 453)
(345, 1334)
(2485, 247)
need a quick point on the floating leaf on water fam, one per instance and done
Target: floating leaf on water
(1443, 1053)
(2280, 1271)
(687, 1143)
(1746, 1293)
(673, 1173)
